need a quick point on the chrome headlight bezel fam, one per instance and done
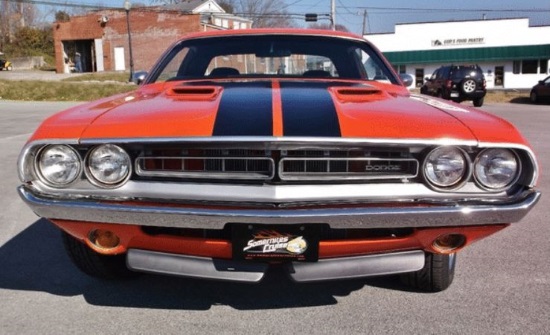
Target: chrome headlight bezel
(40, 169)
(94, 176)
(501, 187)
(456, 184)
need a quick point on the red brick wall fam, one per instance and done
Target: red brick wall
(152, 33)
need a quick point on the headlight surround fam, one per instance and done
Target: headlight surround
(496, 168)
(108, 165)
(446, 167)
(58, 165)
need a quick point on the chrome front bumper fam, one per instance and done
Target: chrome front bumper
(406, 215)
(326, 269)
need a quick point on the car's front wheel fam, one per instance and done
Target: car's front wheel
(436, 275)
(93, 263)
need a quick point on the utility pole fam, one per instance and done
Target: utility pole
(333, 14)
(364, 31)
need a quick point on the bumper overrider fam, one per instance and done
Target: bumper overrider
(190, 258)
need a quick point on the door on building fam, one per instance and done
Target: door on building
(499, 76)
(119, 59)
(419, 77)
(79, 55)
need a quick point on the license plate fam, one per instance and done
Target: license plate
(454, 94)
(276, 242)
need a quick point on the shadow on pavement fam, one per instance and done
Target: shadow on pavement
(34, 260)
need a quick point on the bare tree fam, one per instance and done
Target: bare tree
(165, 2)
(264, 13)
(13, 16)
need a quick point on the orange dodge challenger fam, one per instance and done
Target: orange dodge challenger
(301, 149)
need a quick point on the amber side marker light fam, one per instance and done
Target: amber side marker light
(104, 239)
(449, 242)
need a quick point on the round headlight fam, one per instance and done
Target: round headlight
(59, 165)
(445, 166)
(108, 164)
(496, 168)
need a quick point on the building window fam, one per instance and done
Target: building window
(529, 66)
(400, 68)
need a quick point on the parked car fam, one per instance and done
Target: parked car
(244, 149)
(458, 83)
(540, 91)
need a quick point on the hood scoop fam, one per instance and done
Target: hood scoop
(359, 94)
(194, 93)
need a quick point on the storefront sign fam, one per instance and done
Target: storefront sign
(458, 41)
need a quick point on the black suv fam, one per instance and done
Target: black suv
(457, 83)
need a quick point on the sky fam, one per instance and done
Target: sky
(382, 15)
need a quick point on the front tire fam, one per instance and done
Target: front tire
(93, 263)
(436, 275)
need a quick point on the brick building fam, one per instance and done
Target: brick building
(99, 40)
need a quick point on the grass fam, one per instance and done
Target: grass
(101, 77)
(59, 90)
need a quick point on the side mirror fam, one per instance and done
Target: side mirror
(139, 77)
(406, 79)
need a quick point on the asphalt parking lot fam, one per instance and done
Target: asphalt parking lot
(502, 284)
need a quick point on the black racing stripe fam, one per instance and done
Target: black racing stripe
(245, 110)
(308, 110)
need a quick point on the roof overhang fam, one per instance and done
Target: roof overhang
(469, 54)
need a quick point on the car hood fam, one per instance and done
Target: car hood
(279, 108)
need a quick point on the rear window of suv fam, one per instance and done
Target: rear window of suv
(464, 72)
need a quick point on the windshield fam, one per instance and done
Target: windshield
(272, 56)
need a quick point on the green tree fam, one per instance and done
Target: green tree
(29, 41)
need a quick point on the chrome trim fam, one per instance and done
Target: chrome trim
(357, 267)
(263, 141)
(252, 272)
(221, 174)
(437, 215)
(274, 142)
(329, 175)
(516, 146)
(195, 267)
(156, 191)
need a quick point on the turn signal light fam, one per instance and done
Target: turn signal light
(104, 239)
(449, 242)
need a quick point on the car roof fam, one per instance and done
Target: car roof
(272, 31)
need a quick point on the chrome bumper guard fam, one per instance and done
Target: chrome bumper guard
(437, 215)
(326, 269)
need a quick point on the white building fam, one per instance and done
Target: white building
(511, 53)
